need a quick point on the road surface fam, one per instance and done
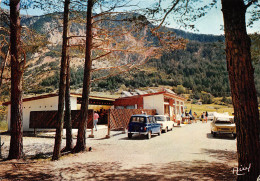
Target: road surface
(188, 152)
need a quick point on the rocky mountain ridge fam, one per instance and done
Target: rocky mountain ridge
(201, 66)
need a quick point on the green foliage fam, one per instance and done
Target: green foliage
(180, 89)
(54, 65)
(206, 98)
(194, 101)
(3, 126)
(255, 48)
(51, 81)
(39, 61)
(200, 67)
(3, 123)
(53, 54)
(2, 113)
(226, 100)
(257, 77)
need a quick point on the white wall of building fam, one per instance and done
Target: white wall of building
(46, 104)
(73, 102)
(154, 102)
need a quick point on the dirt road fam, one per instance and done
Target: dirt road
(186, 153)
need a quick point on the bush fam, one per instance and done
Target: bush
(206, 98)
(194, 101)
(180, 89)
(226, 100)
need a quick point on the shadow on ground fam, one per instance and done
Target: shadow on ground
(221, 136)
(222, 154)
(196, 170)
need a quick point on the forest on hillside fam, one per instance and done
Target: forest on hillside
(199, 67)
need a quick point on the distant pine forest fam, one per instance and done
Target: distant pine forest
(200, 67)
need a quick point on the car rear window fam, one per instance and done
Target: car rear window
(136, 119)
(223, 122)
(159, 118)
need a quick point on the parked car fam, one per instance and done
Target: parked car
(211, 115)
(223, 125)
(165, 122)
(143, 125)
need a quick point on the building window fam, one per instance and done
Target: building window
(120, 107)
(166, 100)
(166, 110)
(130, 107)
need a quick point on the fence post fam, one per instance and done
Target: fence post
(108, 125)
(92, 132)
(35, 132)
(1, 145)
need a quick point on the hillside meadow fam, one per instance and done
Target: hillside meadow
(199, 109)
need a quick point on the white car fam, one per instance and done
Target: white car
(211, 115)
(166, 123)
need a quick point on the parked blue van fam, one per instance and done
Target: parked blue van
(143, 124)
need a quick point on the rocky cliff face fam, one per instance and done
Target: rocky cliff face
(43, 65)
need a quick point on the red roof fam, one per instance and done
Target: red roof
(56, 94)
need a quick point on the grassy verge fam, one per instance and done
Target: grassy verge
(209, 107)
(3, 126)
(3, 123)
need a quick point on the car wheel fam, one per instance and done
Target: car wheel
(149, 135)
(234, 136)
(130, 135)
(214, 134)
(160, 132)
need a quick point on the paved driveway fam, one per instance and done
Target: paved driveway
(186, 153)
(186, 143)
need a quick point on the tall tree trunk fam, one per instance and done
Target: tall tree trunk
(81, 138)
(68, 123)
(16, 143)
(241, 77)
(62, 86)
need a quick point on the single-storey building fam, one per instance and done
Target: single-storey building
(165, 103)
(49, 102)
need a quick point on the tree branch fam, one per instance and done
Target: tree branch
(3, 66)
(165, 16)
(250, 3)
(102, 56)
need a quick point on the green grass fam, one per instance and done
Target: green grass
(209, 107)
(3, 126)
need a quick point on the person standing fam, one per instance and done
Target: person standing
(202, 117)
(206, 116)
(96, 116)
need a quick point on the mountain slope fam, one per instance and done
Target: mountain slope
(200, 67)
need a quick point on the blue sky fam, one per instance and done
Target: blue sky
(212, 23)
